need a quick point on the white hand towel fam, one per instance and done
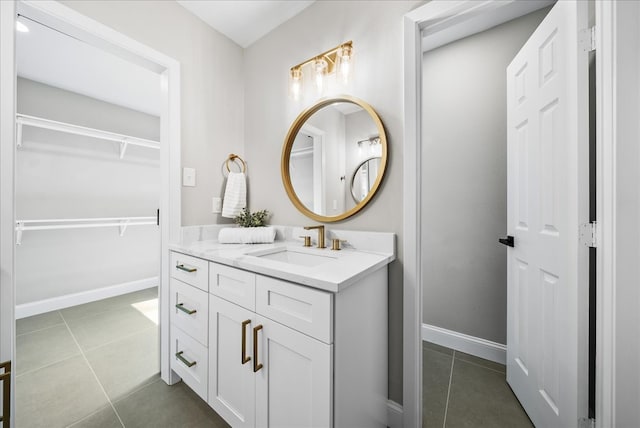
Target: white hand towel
(235, 195)
(247, 235)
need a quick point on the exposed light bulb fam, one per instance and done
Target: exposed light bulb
(345, 59)
(320, 69)
(295, 83)
(21, 28)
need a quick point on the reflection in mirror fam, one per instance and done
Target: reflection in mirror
(332, 150)
(363, 178)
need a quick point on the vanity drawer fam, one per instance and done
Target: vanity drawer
(190, 310)
(302, 308)
(185, 352)
(192, 270)
(235, 285)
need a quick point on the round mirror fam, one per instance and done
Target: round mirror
(364, 178)
(334, 158)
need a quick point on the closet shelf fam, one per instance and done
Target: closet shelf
(124, 140)
(81, 223)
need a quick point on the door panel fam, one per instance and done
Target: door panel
(231, 382)
(293, 388)
(547, 133)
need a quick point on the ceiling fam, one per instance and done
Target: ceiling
(56, 59)
(245, 21)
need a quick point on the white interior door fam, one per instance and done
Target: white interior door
(547, 104)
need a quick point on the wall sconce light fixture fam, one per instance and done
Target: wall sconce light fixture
(337, 60)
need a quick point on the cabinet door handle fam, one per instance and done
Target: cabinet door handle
(5, 378)
(186, 269)
(185, 310)
(184, 360)
(245, 358)
(256, 366)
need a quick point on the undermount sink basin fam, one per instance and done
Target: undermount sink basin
(293, 256)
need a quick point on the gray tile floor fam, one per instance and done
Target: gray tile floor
(97, 365)
(461, 390)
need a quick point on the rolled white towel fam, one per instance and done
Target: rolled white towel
(235, 195)
(247, 235)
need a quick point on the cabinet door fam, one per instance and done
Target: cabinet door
(295, 383)
(231, 377)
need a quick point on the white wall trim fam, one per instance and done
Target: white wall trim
(7, 189)
(47, 305)
(477, 346)
(394, 414)
(605, 213)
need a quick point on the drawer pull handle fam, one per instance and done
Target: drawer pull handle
(185, 310)
(256, 366)
(245, 358)
(184, 360)
(186, 269)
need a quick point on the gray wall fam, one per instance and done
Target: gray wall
(464, 187)
(211, 88)
(65, 176)
(376, 31)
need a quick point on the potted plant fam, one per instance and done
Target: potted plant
(248, 219)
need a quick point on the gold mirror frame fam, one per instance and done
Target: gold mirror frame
(286, 154)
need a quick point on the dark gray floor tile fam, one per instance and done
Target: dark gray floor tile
(38, 322)
(481, 362)
(480, 397)
(436, 370)
(111, 304)
(434, 347)
(105, 327)
(128, 364)
(44, 347)
(57, 395)
(105, 418)
(161, 405)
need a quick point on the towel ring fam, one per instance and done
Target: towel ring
(233, 158)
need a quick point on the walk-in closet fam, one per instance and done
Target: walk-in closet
(88, 243)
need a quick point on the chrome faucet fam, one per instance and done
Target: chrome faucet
(320, 234)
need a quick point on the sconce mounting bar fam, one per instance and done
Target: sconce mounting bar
(329, 56)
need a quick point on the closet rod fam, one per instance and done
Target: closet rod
(64, 220)
(82, 223)
(23, 119)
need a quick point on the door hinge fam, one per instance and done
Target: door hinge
(587, 39)
(589, 234)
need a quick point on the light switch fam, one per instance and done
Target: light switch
(189, 177)
(217, 205)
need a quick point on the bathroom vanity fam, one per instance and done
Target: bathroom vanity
(279, 335)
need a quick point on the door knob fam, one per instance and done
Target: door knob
(508, 241)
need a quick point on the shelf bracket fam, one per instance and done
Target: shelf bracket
(19, 135)
(123, 226)
(123, 147)
(19, 230)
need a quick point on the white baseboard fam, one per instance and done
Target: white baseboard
(394, 414)
(41, 306)
(464, 343)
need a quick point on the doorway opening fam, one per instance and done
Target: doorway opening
(77, 161)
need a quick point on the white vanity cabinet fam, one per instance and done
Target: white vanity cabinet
(312, 358)
(283, 354)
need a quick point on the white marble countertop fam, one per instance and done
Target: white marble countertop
(341, 268)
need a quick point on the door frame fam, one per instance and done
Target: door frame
(87, 29)
(443, 16)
